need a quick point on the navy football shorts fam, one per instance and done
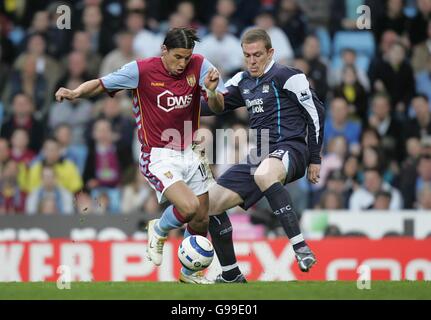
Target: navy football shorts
(239, 178)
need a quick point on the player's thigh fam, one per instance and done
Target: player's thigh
(183, 198)
(270, 171)
(222, 199)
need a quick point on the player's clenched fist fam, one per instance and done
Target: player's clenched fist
(64, 93)
(211, 80)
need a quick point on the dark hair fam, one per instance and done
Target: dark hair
(421, 96)
(181, 38)
(383, 193)
(257, 34)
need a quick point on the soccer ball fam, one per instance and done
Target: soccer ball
(196, 253)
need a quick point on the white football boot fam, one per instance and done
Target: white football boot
(195, 278)
(155, 244)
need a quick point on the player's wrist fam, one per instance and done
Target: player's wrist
(211, 93)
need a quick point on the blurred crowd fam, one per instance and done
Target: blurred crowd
(81, 156)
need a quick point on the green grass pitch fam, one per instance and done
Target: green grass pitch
(252, 290)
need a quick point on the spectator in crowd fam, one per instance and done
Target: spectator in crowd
(4, 75)
(318, 70)
(420, 125)
(221, 48)
(336, 182)
(338, 124)
(77, 114)
(77, 69)
(22, 117)
(19, 147)
(348, 58)
(4, 153)
(186, 8)
(293, 22)
(66, 172)
(418, 25)
(77, 153)
(424, 199)
(145, 42)
(370, 138)
(354, 93)
(387, 126)
(32, 83)
(102, 169)
(393, 19)
(408, 172)
(122, 126)
(364, 197)
(333, 158)
(422, 52)
(7, 54)
(101, 41)
(330, 200)
(350, 172)
(122, 55)
(49, 196)
(423, 179)
(45, 64)
(12, 197)
(423, 80)
(283, 52)
(383, 201)
(135, 194)
(372, 157)
(228, 9)
(395, 77)
(82, 43)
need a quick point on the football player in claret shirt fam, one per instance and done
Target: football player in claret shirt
(166, 103)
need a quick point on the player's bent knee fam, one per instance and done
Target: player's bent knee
(189, 207)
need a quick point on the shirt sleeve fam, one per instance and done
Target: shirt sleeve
(127, 77)
(315, 113)
(205, 68)
(232, 98)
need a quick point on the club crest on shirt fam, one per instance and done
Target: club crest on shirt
(265, 88)
(304, 96)
(191, 80)
(169, 175)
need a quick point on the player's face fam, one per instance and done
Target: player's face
(176, 60)
(257, 57)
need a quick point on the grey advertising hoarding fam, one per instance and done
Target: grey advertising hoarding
(76, 227)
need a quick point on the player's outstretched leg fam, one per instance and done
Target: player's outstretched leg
(221, 234)
(281, 203)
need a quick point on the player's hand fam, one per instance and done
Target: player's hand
(313, 173)
(64, 93)
(211, 80)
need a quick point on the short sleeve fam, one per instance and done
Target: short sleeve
(205, 68)
(127, 77)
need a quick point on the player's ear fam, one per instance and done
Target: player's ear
(164, 49)
(270, 52)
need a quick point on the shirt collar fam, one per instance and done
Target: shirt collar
(269, 66)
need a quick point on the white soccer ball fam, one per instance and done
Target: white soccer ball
(196, 253)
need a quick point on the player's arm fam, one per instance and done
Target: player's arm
(232, 99)
(215, 98)
(315, 117)
(86, 90)
(212, 83)
(125, 78)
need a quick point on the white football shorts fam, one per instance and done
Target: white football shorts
(163, 167)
